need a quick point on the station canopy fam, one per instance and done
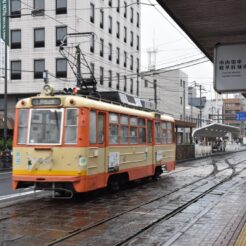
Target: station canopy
(209, 22)
(215, 130)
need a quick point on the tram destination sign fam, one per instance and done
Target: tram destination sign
(230, 68)
(241, 116)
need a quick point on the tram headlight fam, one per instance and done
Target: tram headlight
(48, 90)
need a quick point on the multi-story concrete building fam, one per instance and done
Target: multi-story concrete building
(231, 106)
(37, 28)
(171, 91)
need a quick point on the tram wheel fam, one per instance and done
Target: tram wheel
(114, 184)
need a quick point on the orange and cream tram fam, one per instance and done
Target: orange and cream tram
(77, 144)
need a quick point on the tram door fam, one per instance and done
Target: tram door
(96, 152)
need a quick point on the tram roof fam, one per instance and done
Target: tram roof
(215, 130)
(96, 104)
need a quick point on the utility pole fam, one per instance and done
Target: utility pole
(155, 93)
(184, 91)
(6, 84)
(200, 87)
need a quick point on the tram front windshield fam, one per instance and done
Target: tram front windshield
(45, 126)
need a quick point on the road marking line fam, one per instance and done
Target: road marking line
(18, 195)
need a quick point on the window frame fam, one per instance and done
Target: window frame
(15, 76)
(38, 75)
(57, 73)
(65, 126)
(58, 41)
(61, 10)
(15, 45)
(38, 44)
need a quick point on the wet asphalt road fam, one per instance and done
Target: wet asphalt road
(137, 215)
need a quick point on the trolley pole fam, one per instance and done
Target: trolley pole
(78, 55)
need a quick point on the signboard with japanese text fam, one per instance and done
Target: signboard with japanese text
(230, 68)
(4, 20)
(241, 116)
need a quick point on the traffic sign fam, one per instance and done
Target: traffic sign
(241, 116)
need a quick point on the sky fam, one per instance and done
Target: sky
(159, 32)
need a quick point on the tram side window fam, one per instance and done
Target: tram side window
(169, 133)
(100, 133)
(22, 126)
(150, 131)
(71, 126)
(93, 127)
(142, 131)
(124, 129)
(158, 132)
(113, 128)
(133, 130)
(164, 132)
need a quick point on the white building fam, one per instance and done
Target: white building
(35, 36)
(172, 91)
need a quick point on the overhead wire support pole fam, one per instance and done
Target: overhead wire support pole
(5, 131)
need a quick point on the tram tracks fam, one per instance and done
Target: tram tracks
(160, 219)
(108, 219)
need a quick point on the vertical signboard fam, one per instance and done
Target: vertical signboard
(230, 68)
(4, 20)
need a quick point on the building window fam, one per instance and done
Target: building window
(61, 68)
(125, 83)
(15, 70)
(131, 19)
(15, 8)
(137, 42)
(131, 90)
(181, 83)
(118, 30)
(181, 100)
(118, 7)
(39, 67)
(131, 43)
(110, 3)
(15, 39)
(39, 37)
(92, 67)
(92, 17)
(118, 81)
(110, 24)
(61, 33)
(146, 83)
(109, 78)
(137, 70)
(110, 51)
(101, 18)
(125, 59)
(125, 34)
(137, 19)
(39, 5)
(92, 47)
(125, 12)
(131, 67)
(118, 55)
(101, 75)
(101, 47)
(61, 7)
